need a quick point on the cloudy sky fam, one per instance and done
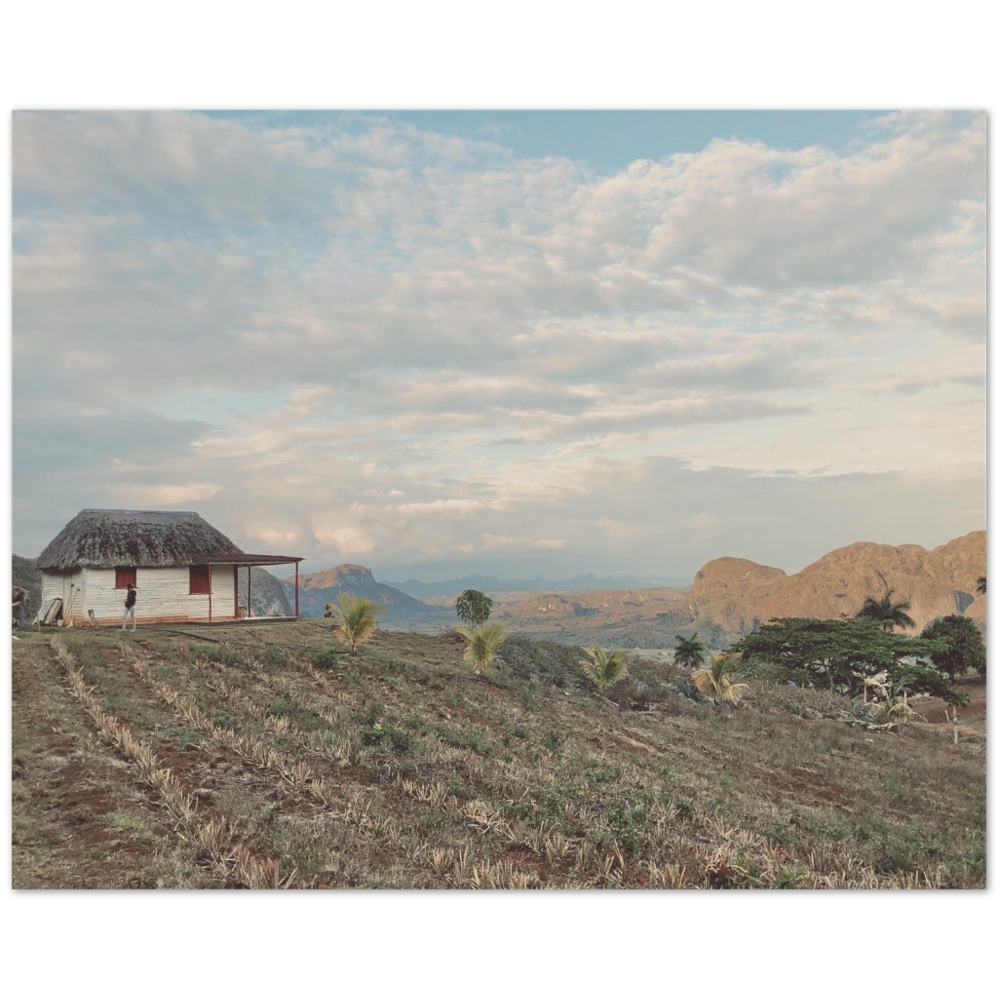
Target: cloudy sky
(517, 343)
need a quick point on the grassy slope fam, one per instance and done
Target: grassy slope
(401, 769)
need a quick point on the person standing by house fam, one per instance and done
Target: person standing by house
(129, 607)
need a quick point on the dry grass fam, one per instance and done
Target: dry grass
(215, 838)
(270, 761)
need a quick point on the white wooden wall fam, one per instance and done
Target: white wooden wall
(162, 595)
(61, 585)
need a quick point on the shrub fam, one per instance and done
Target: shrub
(964, 647)
(604, 666)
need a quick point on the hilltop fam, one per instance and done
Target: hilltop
(581, 583)
(738, 594)
(728, 597)
(633, 618)
(316, 590)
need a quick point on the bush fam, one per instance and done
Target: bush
(964, 649)
(532, 659)
(375, 734)
(274, 658)
(327, 659)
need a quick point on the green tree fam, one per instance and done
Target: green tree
(604, 666)
(473, 607)
(689, 653)
(357, 619)
(842, 651)
(918, 677)
(715, 682)
(887, 613)
(483, 645)
(964, 649)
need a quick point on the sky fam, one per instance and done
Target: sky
(520, 343)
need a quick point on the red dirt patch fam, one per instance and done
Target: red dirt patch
(934, 709)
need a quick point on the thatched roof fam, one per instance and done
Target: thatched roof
(102, 539)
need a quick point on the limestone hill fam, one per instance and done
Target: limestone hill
(316, 590)
(739, 594)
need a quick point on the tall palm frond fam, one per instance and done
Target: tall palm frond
(714, 681)
(690, 652)
(884, 611)
(483, 645)
(605, 666)
(878, 682)
(357, 619)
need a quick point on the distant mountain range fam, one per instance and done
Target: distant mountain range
(316, 590)
(728, 598)
(488, 584)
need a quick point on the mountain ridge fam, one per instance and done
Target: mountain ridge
(495, 584)
(740, 594)
(316, 590)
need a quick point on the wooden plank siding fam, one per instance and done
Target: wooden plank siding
(163, 595)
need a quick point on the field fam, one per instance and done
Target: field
(266, 757)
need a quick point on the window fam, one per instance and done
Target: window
(201, 580)
(124, 575)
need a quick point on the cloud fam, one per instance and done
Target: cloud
(369, 341)
(704, 525)
(164, 494)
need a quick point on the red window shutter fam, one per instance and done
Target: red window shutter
(201, 581)
(124, 575)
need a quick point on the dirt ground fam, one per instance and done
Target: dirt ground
(400, 768)
(934, 709)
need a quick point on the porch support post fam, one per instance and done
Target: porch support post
(249, 592)
(296, 590)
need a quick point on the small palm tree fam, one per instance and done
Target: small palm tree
(483, 645)
(877, 682)
(888, 703)
(884, 611)
(895, 709)
(689, 653)
(357, 619)
(605, 666)
(715, 682)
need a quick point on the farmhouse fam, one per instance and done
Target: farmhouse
(184, 569)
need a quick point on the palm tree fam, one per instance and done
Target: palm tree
(878, 682)
(483, 645)
(605, 666)
(981, 585)
(357, 621)
(889, 615)
(893, 705)
(689, 653)
(894, 709)
(715, 682)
